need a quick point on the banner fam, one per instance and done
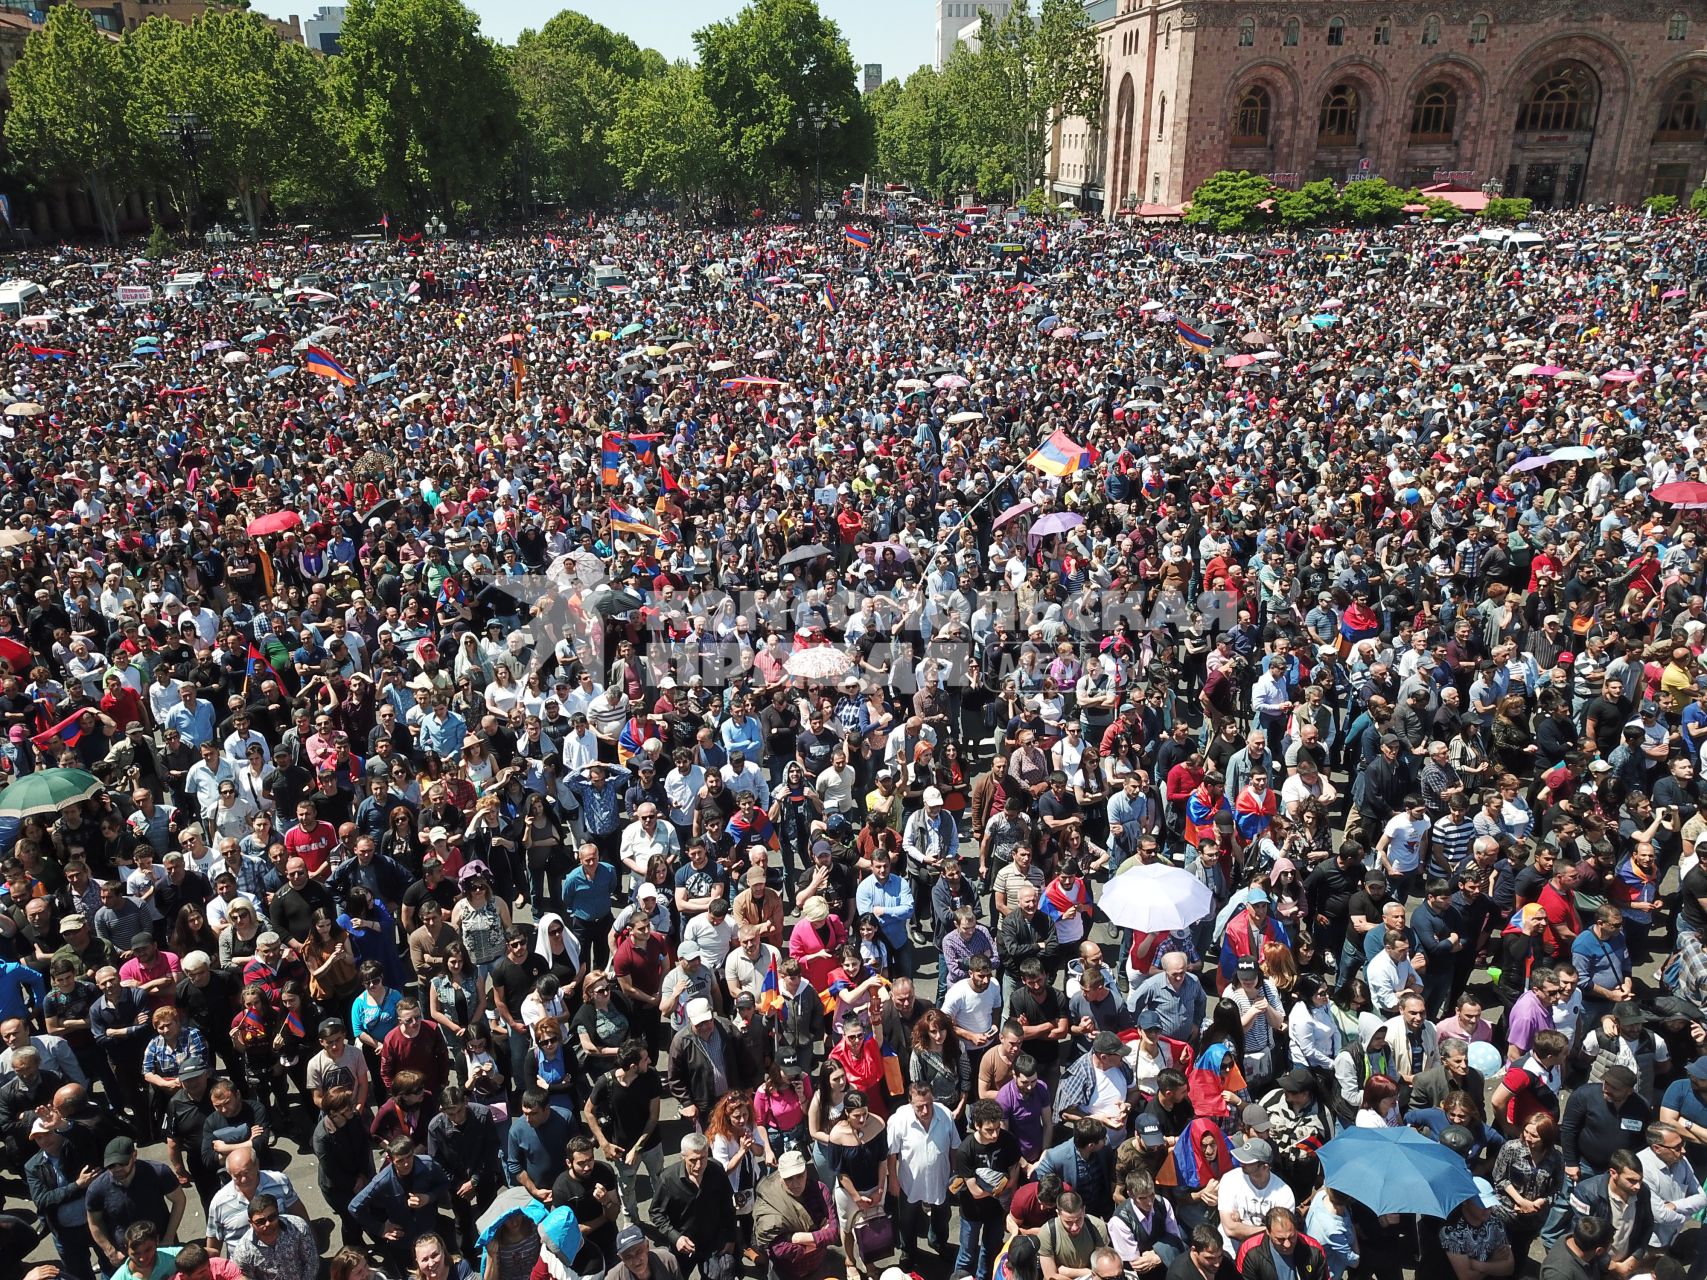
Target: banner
(127, 294)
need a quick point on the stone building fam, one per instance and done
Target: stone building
(1561, 101)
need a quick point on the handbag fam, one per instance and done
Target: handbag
(874, 1236)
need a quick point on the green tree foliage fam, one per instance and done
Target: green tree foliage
(1229, 201)
(1372, 201)
(429, 109)
(1698, 199)
(766, 73)
(572, 77)
(1311, 205)
(1660, 206)
(1442, 209)
(1507, 209)
(658, 139)
(67, 122)
(916, 129)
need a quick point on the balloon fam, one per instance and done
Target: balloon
(1485, 1059)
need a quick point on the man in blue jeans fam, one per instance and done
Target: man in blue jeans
(986, 1164)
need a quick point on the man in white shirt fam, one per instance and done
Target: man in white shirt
(741, 774)
(682, 786)
(836, 785)
(922, 1143)
(1404, 845)
(973, 1004)
(1390, 974)
(749, 962)
(1249, 1192)
(164, 693)
(1673, 1189)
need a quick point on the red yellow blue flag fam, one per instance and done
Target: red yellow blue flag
(854, 235)
(1193, 337)
(316, 361)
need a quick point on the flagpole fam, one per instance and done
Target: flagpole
(970, 511)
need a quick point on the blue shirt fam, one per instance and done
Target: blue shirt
(443, 737)
(895, 896)
(742, 735)
(194, 726)
(590, 897)
(14, 980)
(375, 1019)
(1600, 964)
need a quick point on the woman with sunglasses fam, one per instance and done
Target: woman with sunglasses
(600, 1025)
(240, 940)
(552, 1068)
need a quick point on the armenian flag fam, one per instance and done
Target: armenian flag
(610, 448)
(1200, 811)
(1252, 812)
(962, 230)
(625, 521)
(1058, 456)
(48, 353)
(259, 666)
(932, 232)
(667, 482)
(832, 303)
(67, 733)
(760, 830)
(319, 362)
(1193, 337)
(854, 235)
(770, 997)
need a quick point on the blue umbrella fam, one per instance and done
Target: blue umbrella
(1048, 322)
(1396, 1171)
(280, 370)
(385, 375)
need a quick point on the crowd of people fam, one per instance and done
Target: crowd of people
(622, 772)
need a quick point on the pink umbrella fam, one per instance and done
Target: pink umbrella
(1675, 293)
(1619, 375)
(1238, 361)
(1013, 513)
(1549, 370)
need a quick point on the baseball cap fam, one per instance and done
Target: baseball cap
(633, 1237)
(1108, 1042)
(790, 1165)
(1490, 1199)
(192, 1068)
(1149, 1132)
(1256, 1151)
(1255, 1117)
(119, 1151)
(1297, 1080)
(699, 1011)
(1698, 1069)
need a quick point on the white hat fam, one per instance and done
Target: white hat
(933, 798)
(647, 890)
(699, 1011)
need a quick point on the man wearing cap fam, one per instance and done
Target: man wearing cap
(639, 1260)
(795, 1222)
(930, 837)
(1248, 1193)
(130, 1190)
(57, 1177)
(1099, 1086)
(703, 1063)
(1299, 1123)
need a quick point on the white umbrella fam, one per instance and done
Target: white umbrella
(819, 662)
(718, 366)
(967, 415)
(1155, 898)
(25, 409)
(235, 357)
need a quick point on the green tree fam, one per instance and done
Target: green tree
(67, 120)
(1228, 201)
(1440, 208)
(781, 85)
(1372, 201)
(1698, 199)
(429, 108)
(1311, 205)
(1507, 209)
(916, 127)
(660, 139)
(572, 77)
(1660, 206)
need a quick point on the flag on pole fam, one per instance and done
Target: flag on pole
(930, 232)
(855, 235)
(1058, 456)
(66, 733)
(832, 303)
(626, 521)
(322, 363)
(668, 482)
(770, 996)
(1195, 338)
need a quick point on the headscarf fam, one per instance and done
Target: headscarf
(542, 942)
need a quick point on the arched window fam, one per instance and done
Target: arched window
(1384, 31)
(1247, 32)
(1336, 31)
(1338, 124)
(1250, 118)
(1431, 30)
(1683, 117)
(1167, 35)
(1562, 101)
(1161, 116)
(1479, 29)
(1677, 27)
(1434, 113)
(1291, 37)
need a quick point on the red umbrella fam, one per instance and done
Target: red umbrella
(15, 655)
(277, 522)
(1682, 492)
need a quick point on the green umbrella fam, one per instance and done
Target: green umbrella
(48, 791)
(628, 331)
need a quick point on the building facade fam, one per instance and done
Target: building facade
(953, 16)
(324, 31)
(1561, 101)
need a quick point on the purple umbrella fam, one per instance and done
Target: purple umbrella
(1533, 463)
(873, 550)
(1054, 522)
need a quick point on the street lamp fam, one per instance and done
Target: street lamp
(186, 129)
(219, 236)
(435, 227)
(1493, 188)
(815, 117)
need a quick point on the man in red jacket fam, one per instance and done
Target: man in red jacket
(411, 1046)
(1281, 1242)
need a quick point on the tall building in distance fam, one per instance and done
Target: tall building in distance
(873, 77)
(324, 31)
(1563, 102)
(954, 16)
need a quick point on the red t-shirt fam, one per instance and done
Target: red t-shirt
(1530, 1096)
(123, 706)
(644, 969)
(1559, 911)
(313, 846)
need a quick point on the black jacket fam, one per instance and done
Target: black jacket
(691, 1078)
(474, 1151)
(1256, 1259)
(1590, 1131)
(704, 1214)
(1019, 939)
(1593, 1197)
